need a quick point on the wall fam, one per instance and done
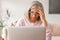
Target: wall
(0, 16)
(17, 8)
(0, 9)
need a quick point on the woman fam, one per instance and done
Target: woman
(34, 16)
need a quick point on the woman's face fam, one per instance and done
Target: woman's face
(34, 14)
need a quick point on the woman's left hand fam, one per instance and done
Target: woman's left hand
(42, 16)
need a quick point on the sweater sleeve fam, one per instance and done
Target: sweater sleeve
(48, 32)
(20, 22)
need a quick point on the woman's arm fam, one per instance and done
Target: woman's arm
(43, 19)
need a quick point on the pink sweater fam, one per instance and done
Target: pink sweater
(25, 22)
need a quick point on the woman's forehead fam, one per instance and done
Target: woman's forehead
(35, 9)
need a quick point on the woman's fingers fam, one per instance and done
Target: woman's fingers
(42, 16)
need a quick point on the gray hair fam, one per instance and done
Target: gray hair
(37, 4)
(34, 4)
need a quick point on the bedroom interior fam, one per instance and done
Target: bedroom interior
(12, 10)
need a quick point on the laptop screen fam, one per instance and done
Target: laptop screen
(26, 33)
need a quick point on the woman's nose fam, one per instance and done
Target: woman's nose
(33, 15)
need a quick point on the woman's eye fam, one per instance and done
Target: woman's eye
(37, 13)
(32, 12)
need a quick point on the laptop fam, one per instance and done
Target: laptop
(26, 33)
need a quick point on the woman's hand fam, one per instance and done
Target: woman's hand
(42, 16)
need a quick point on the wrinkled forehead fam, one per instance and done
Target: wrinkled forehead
(36, 9)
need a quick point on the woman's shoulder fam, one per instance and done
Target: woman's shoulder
(20, 21)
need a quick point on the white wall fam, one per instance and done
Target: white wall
(0, 14)
(0, 9)
(17, 8)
